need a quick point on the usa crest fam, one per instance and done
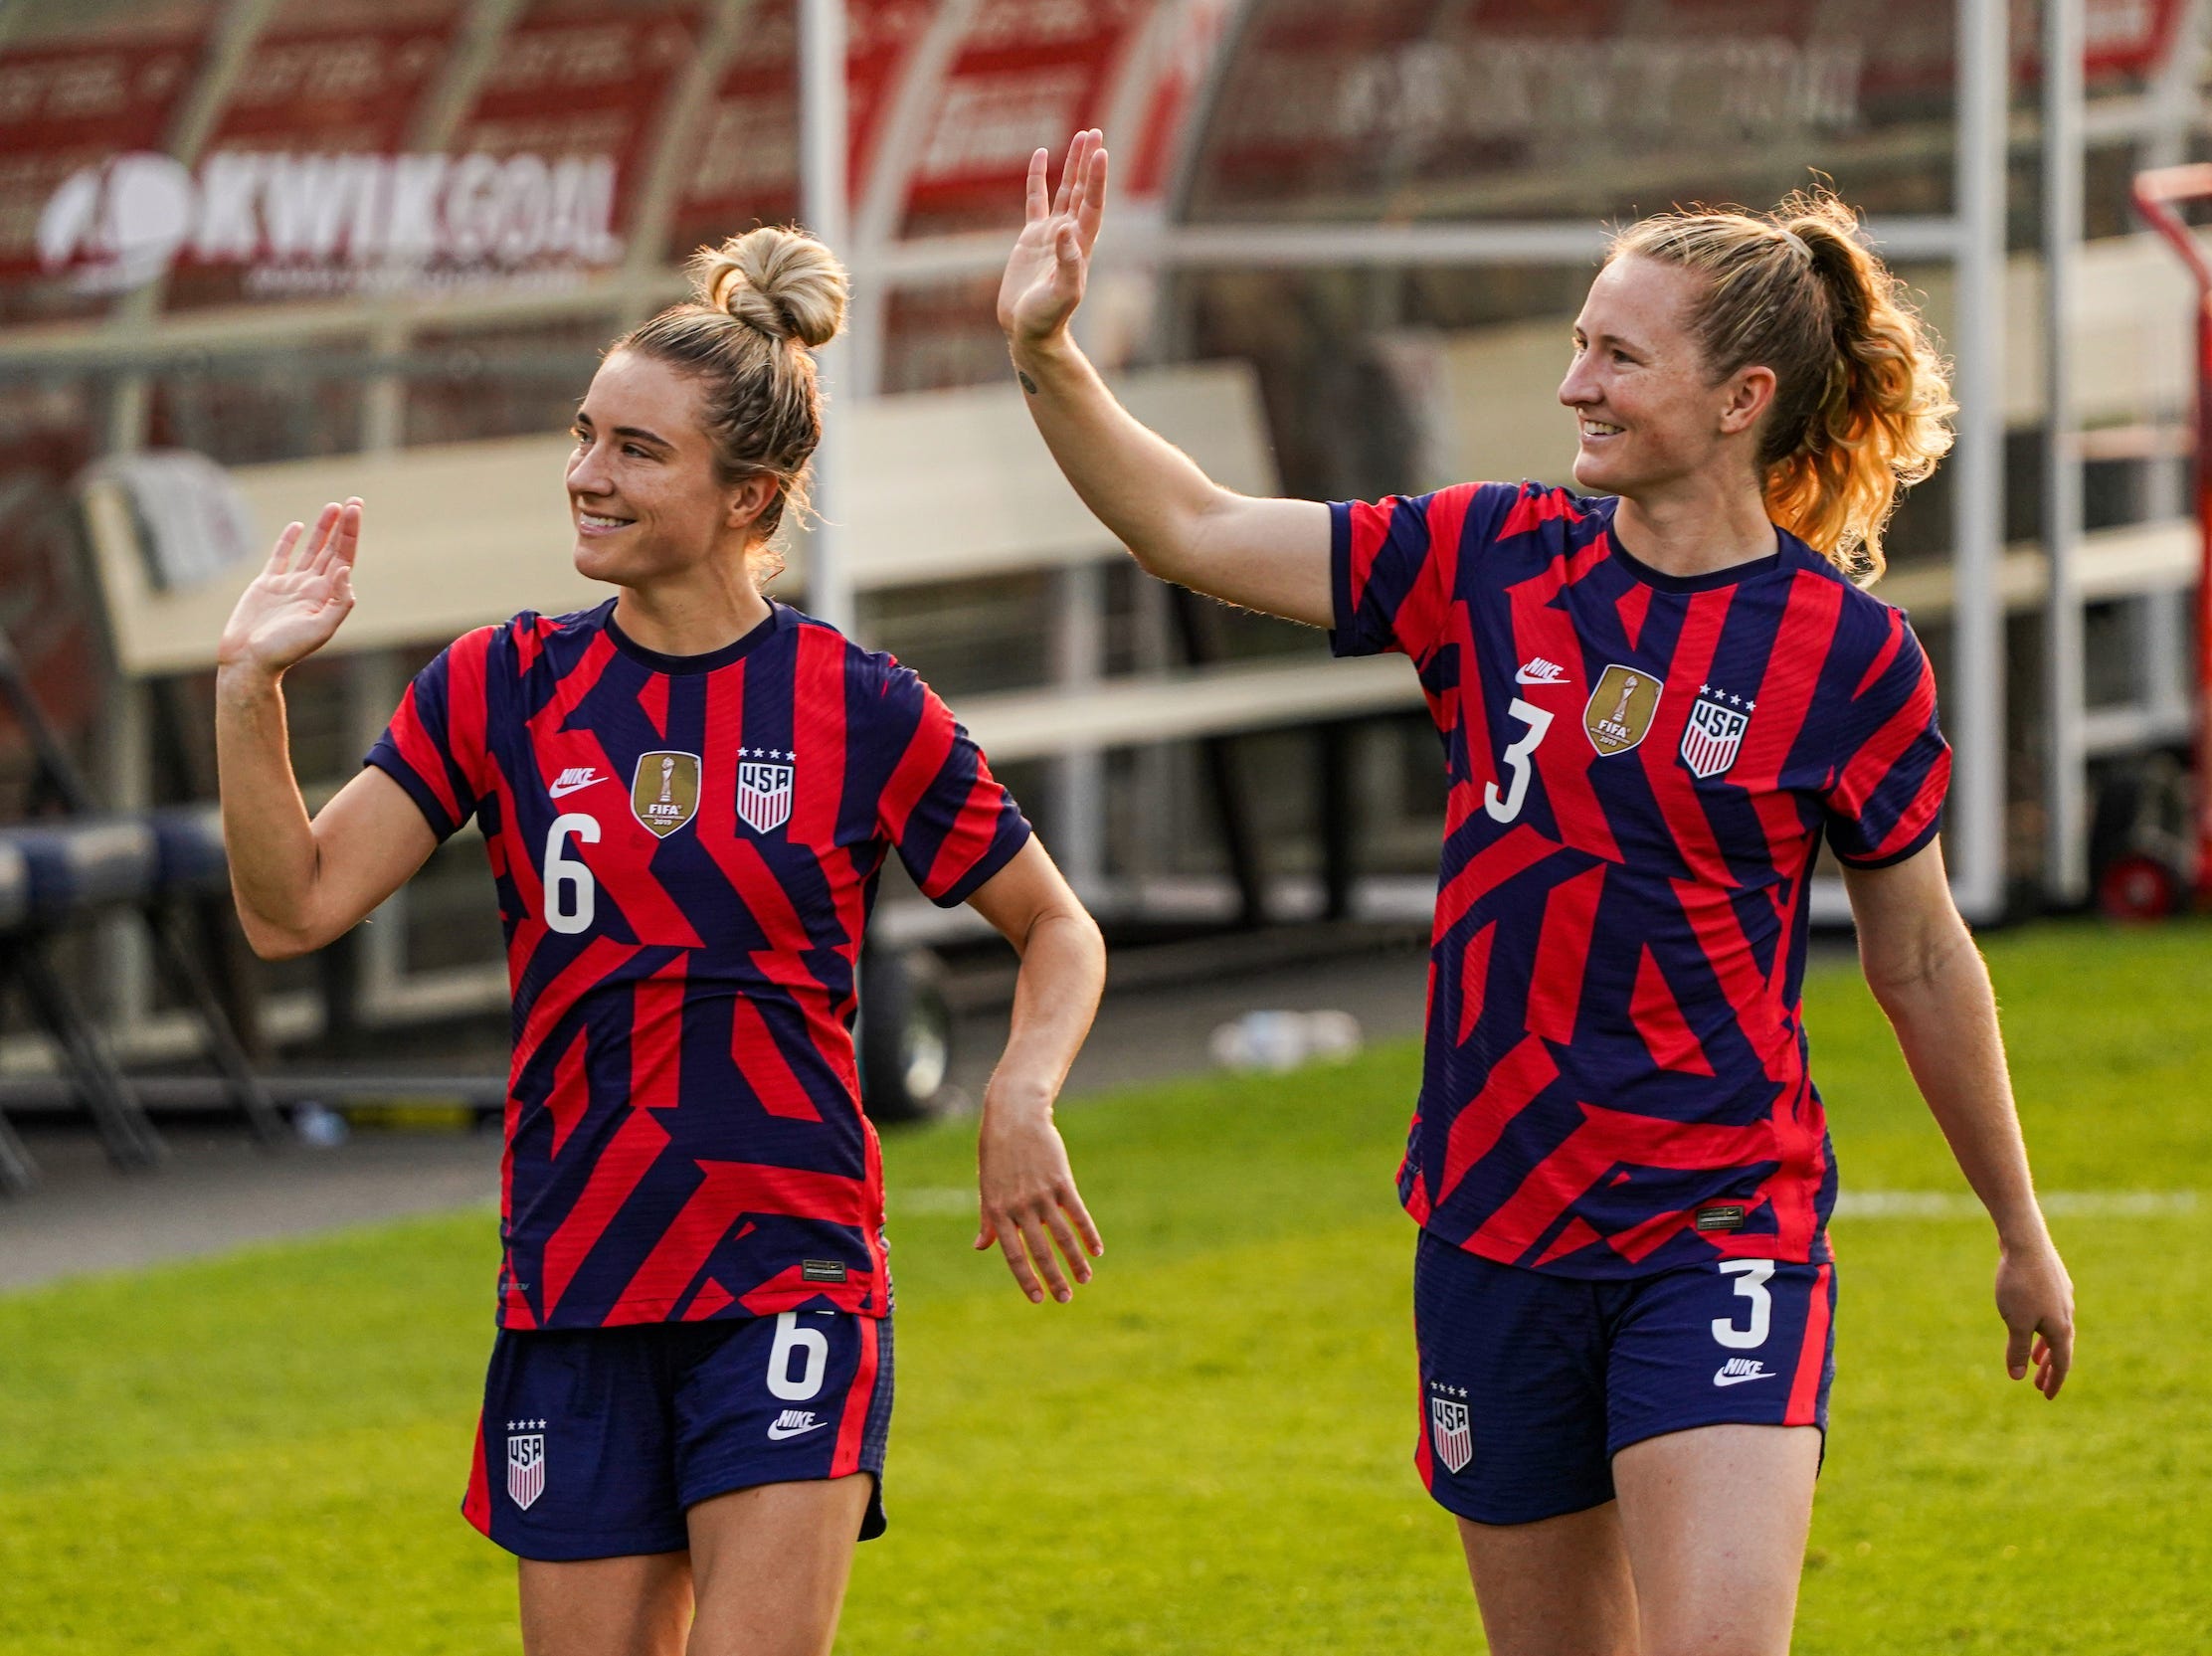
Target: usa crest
(1714, 733)
(764, 791)
(664, 790)
(1619, 712)
(1451, 1432)
(525, 1464)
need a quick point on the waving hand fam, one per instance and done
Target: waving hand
(1050, 261)
(295, 604)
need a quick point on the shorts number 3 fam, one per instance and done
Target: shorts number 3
(1751, 1285)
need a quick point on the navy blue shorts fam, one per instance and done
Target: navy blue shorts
(595, 1442)
(1531, 1382)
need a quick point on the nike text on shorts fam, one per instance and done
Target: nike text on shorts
(1530, 1382)
(595, 1442)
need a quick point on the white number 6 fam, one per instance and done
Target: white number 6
(792, 1337)
(1752, 1287)
(568, 884)
(1507, 805)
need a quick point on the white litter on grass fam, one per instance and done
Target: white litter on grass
(1277, 1041)
(2070, 1205)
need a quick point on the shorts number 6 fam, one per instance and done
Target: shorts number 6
(791, 1337)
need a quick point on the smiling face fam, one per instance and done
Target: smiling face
(1648, 414)
(642, 488)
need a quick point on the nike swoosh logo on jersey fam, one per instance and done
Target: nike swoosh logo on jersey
(571, 779)
(1540, 671)
(1730, 1373)
(779, 1432)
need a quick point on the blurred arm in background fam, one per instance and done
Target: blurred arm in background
(1181, 525)
(300, 883)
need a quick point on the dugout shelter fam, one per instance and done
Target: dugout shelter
(372, 245)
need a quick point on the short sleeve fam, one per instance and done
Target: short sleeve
(950, 821)
(1894, 766)
(435, 745)
(1393, 567)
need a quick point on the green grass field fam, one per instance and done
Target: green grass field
(1211, 1450)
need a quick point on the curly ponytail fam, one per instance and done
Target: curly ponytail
(1862, 400)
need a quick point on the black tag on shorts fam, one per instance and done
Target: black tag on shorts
(1722, 1216)
(821, 1270)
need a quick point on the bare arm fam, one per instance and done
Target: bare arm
(1026, 1186)
(1928, 977)
(300, 883)
(1180, 524)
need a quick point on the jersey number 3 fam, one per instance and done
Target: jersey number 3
(568, 889)
(1507, 805)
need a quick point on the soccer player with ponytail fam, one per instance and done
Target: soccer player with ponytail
(1656, 698)
(688, 794)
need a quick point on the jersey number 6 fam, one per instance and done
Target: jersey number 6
(568, 884)
(1507, 805)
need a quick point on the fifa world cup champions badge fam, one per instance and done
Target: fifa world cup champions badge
(1619, 712)
(664, 790)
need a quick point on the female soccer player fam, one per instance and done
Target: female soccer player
(1655, 698)
(688, 794)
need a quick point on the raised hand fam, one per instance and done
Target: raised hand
(1050, 261)
(295, 603)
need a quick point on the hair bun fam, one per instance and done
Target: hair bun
(779, 280)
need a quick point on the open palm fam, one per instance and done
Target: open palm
(1051, 258)
(295, 603)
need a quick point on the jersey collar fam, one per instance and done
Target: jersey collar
(1750, 570)
(655, 661)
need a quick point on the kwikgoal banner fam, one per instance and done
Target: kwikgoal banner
(327, 223)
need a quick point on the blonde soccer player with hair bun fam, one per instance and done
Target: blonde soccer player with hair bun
(687, 794)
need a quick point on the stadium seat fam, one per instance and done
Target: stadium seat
(59, 871)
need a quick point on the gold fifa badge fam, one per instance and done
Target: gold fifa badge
(1620, 709)
(664, 792)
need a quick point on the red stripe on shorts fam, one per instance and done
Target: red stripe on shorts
(858, 1402)
(475, 1506)
(1804, 1387)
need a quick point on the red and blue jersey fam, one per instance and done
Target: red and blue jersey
(685, 851)
(1641, 769)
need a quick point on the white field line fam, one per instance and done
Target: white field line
(933, 1200)
(954, 1200)
(2070, 1205)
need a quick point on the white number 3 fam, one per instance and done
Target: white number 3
(1507, 805)
(1752, 1286)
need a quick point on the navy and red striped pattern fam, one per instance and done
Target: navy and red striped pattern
(1615, 1041)
(683, 1123)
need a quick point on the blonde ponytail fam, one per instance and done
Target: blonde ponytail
(1862, 400)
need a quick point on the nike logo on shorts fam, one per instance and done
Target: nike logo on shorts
(1736, 1369)
(794, 1422)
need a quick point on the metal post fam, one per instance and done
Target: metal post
(824, 191)
(1978, 699)
(2065, 843)
(1079, 773)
